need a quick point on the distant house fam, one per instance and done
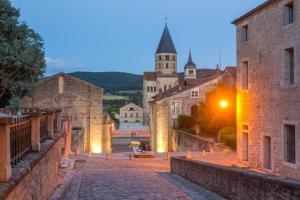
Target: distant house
(62, 90)
(182, 99)
(131, 115)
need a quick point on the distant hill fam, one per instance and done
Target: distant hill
(121, 81)
(112, 81)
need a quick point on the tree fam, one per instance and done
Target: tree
(211, 116)
(21, 55)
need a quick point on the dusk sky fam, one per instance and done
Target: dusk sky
(122, 35)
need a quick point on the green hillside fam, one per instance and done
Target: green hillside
(112, 81)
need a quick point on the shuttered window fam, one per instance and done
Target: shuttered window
(290, 143)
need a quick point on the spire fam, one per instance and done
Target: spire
(190, 64)
(166, 44)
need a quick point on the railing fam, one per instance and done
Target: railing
(20, 141)
(43, 128)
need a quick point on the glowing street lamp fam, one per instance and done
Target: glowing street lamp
(223, 104)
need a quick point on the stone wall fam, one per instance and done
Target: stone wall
(84, 98)
(234, 183)
(37, 176)
(268, 104)
(183, 141)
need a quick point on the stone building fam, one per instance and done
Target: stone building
(268, 93)
(165, 75)
(131, 115)
(182, 99)
(85, 99)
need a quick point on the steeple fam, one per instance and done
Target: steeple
(190, 64)
(190, 69)
(166, 44)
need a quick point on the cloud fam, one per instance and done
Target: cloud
(55, 62)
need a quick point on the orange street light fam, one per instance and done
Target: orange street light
(223, 104)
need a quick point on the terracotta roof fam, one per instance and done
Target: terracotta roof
(183, 86)
(232, 70)
(150, 76)
(253, 11)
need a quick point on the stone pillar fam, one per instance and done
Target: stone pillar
(68, 136)
(5, 166)
(35, 133)
(50, 125)
(59, 118)
(106, 138)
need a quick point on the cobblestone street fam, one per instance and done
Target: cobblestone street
(121, 178)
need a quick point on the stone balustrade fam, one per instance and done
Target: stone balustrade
(21, 132)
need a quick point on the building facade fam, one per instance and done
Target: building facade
(181, 100)
(85, 99)
(268, 93)
(131, 114)
(165, 75)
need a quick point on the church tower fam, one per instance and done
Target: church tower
(166, 55)
(190, 70)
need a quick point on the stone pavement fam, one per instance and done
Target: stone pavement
(121, 178)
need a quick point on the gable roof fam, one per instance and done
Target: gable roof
(253, 11)
(166, 44)
(131, 105)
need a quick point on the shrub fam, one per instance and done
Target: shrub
(186, 122)
(228, 137)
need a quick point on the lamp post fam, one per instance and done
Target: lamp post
(224, 105)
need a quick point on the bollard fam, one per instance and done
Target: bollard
(108, 156)
(188, 155)
(169, 154)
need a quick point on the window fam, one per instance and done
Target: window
(131, 115)
(159, 58)
(245, 33)
(131, 109)
(174, 58)
(245, 143)
(167, 65)
(289, 68)
(191, 71)
(61, 85)
(290, 143)
(125, 115)
(267, 152)
(167, 57)
(288, 14)
(151, 88)
(175, 108)
(148, 89)
(195, 94)
(245, 76)
(165, 88)
(154, 88)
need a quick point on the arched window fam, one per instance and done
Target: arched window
(194, 111)
(131, 109)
